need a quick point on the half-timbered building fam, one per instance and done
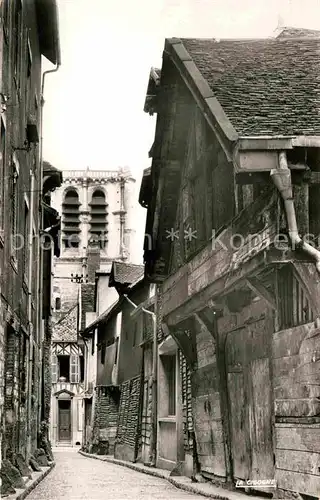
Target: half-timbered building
(232, 195)
(67, 382)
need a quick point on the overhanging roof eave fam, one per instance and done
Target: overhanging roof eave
(204, 96)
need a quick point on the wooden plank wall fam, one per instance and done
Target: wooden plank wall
(296, 370)
(247, 340)
(206, 406)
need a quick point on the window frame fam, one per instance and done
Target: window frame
(14, 207)
(59, 368)
(26, 248)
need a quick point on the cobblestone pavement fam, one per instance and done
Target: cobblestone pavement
(76, 477)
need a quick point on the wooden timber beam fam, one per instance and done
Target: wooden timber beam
(218, 287)
(257, 287)
(204, 323)
(185, 341)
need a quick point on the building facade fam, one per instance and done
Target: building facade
(28, 31)
(116, 351)
(97, 225)
(67, 382)
(228, 211)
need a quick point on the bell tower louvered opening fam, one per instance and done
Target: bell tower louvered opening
(98, 220)
(71, 219)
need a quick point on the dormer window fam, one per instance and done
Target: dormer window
(71, 219)
(98, 220)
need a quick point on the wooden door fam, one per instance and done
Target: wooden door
(240, 452)
(64, 421)
(250, 407)
(260, 417)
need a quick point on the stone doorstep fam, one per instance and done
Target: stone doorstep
(37, 477)
(184, 483)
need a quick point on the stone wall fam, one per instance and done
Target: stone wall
(11, 398)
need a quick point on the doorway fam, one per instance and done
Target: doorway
(64, 407)
(250, 402)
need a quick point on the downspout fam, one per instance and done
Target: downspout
(31, 332)
(40, 333)
(154, 421)
(282, 180)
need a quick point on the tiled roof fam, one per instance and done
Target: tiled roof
(265, 86)
(47, 167)
(65, 330)
(123, 273)
(286, 32)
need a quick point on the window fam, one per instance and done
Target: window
(103, 352)
(71, 219)
(117, 350)
(295, 304)
(93, 342)
(54, 368)
(169, 370)
(74, 369)
(81, 363)
(98, 221)
(14, 207)
(58, 304)
(26, 242)
(64, 367)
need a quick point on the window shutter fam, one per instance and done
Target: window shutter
(54, 368)
(74, 372)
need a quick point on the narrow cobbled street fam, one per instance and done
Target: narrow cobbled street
(77, 477)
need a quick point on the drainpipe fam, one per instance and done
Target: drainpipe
(31, 333)
(282, 180)
(40, 333)
(153, 445)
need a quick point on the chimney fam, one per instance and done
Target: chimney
(93, 262)
(87, 301)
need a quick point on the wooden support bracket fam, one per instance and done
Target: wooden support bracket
(257, 287)
(204, 323)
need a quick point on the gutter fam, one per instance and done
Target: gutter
(281, 177)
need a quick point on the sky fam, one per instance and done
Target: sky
(93, 114)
